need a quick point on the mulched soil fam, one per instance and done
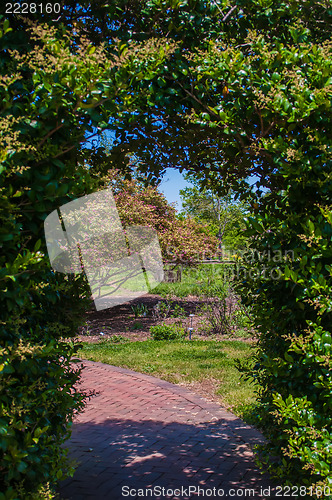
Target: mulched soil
(120, 320)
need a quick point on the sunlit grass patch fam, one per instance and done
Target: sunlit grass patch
(186, 362)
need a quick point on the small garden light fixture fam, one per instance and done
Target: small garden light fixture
(190, 329)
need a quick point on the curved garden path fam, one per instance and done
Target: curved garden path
(140, 432)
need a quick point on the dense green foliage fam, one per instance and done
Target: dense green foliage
(225, 91)
(37, 306)
(37, 407)
(294, 360)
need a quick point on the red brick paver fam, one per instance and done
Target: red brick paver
(140, 432)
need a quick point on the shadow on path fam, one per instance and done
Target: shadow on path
(140, 432)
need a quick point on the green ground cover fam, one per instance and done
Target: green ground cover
(206, 279)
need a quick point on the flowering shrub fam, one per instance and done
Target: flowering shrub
(181, 240)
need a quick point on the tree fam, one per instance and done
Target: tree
(224, 215)
(182, 240)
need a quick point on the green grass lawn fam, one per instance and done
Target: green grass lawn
(198, 364)
(206, 279)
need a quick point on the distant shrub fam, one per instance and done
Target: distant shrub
(162, 309)
(140, 310)
(137, 325)
(117, 339)
(178, 312)
(167, 332)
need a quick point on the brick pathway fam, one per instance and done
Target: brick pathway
(141, 432)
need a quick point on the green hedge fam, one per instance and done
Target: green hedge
(294, 316)
(38, 307)
(37, 408)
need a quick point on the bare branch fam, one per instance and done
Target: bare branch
(51, 132)
(229, 13)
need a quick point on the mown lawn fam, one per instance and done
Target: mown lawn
(206, 366)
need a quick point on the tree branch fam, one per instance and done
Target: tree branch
(229, 13)
(51, 132)
(207, 108)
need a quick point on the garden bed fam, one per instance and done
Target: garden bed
(121, 321)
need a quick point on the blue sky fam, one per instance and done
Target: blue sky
(172, 181)
(171, 184)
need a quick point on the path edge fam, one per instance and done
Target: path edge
(248, 433)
